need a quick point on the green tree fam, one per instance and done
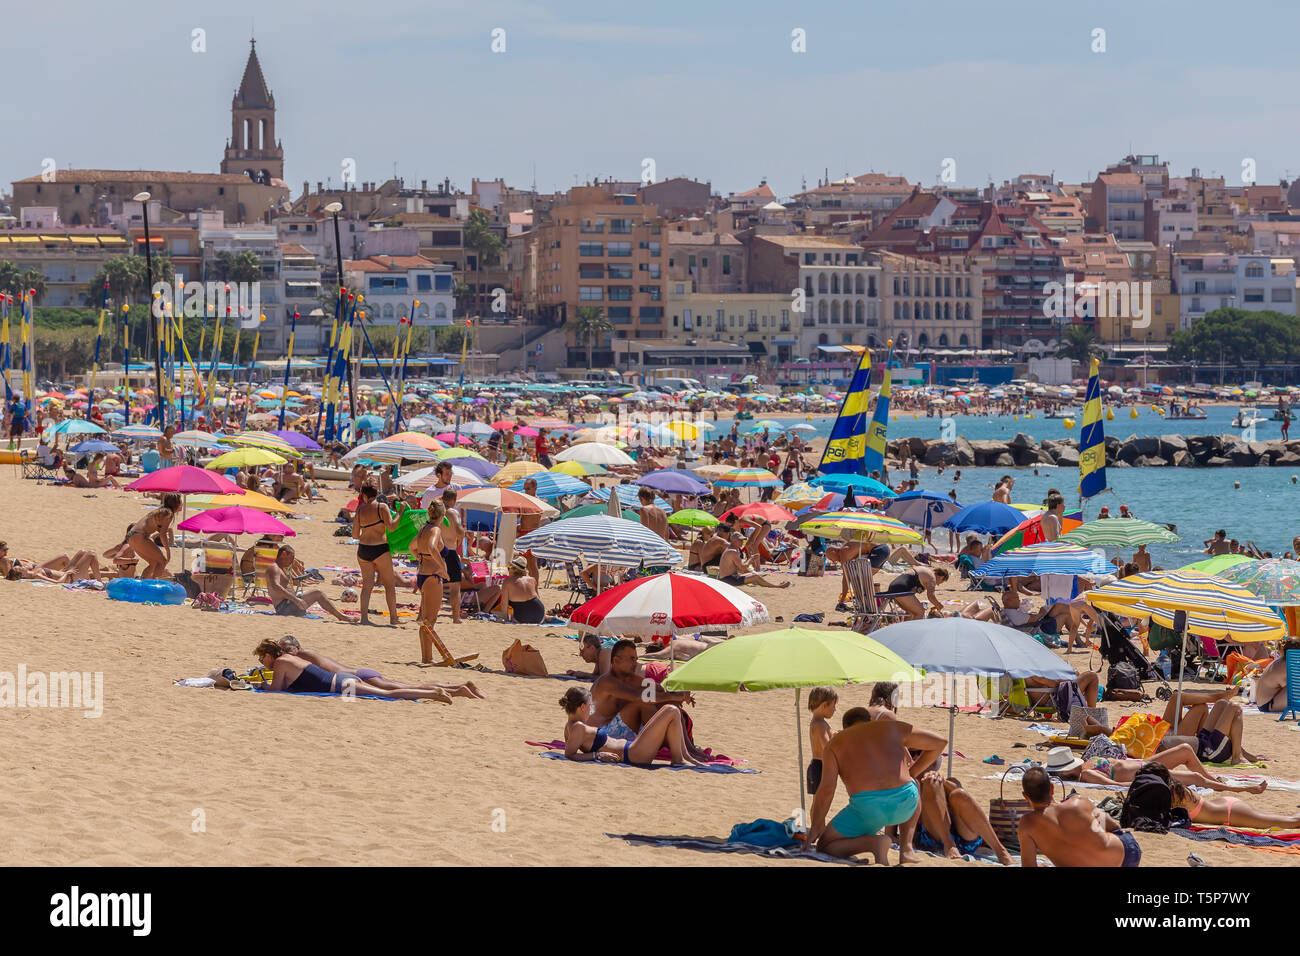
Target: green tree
(237, 267)
(1077, 344)
(1238, 337)
(11, 278)
(587, 325)
(127, 278)
(34, 281)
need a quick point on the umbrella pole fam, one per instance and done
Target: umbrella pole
(952, 723)
(798, 733)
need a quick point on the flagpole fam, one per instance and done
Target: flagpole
(460, 388)
(288, 364)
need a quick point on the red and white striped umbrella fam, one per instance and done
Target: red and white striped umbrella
(666, 604)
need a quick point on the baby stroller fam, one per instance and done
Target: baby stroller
(1118, 650)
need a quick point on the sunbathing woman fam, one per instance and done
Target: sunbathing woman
(94, 479)
(584, 741)
(157, 522)
(59, 570)
(297, 675)
(1104, 771)
(1229, 811)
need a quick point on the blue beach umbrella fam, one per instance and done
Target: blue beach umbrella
(553, 484)
(844, 482)
(922, 509)
(93, 446)
(674, 481)
(987, 517)
(1045, 557)
(628, 497)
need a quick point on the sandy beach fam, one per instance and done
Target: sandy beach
(172, 775)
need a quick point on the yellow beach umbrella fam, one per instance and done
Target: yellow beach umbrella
(245, 458)
(579, 469)
(516, 470)
(1215, 608)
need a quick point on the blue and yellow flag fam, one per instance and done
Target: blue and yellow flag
(874, 458)
(847, 444)
(1092, 440)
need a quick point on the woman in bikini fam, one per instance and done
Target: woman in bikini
(370, 526)
(584, 741)
(1105, 771)
(157, 522)
(1228, 811)
(296, 675)
(430, 575)
(94, 479)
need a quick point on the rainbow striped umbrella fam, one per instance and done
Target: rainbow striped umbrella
(1215, 608)
(262, 440)
(860, 526)
(800, 495)
(1275, 581)
(749, 478)
(1030, 531)
(1046, 557)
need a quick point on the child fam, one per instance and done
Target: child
(821, 701)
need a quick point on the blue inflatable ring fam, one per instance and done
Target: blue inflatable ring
(146, 591)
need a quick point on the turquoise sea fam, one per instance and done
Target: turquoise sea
(1198, 501)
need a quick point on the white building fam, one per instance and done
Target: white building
(391, 285)
(1204, 282)
(1266, 283)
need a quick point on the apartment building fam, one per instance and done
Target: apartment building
(1204, 281)
(301, 273)
(1265, 283)
(930, 303)
(710, 262)
(602, 248)
(763, 322)
(68, 258)
(1118, 205)
(1171, 219)
(392, 284)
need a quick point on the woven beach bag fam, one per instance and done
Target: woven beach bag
(1005, 814)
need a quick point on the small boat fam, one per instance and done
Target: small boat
(1247, 417)
(1064, 412)
(1187, 415)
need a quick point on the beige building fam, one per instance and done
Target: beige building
(934, 303)
(600, 248)
(67, 258)
(762, 322)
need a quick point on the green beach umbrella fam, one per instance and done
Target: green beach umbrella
(1118, 533)
(792, 657)
(1275, 581)
(586, 511)
(1220, 562)
(693, 518)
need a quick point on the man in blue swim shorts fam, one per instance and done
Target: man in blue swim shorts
(290, 645)
(872, 758)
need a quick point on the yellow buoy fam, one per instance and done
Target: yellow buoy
(1110, 414)
(1155, 408)
(1069, 423)
(1133, 412)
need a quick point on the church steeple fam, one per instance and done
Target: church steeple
(253, 149)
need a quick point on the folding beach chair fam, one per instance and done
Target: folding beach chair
(1292, 685)
(255, 580)
(869, 611)
(448, 659)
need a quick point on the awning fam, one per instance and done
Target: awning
(106, 240)
(293, 284)
(832, 348)
(54, 238)
(84, 240)
(1137, 349)
(23, 239)
(757, 348)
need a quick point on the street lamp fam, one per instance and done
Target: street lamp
(334, 209)
(143, 199)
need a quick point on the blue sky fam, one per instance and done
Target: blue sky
(707, 89)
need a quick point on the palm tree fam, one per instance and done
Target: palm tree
(237, 267)
(485, 243)
(11, 278)
(587, 324)
(1077, 344)
(33, 281)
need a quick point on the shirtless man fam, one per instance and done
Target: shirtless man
(1051, 521)
(871, 756)
(527, 523)
(169, 453)
(652, 516)
(618, 698)
(280, 588)
(1270, 687)
(732, 569)
(1072, 833)
(1002, 493)
(451, 534)
(1142, 558)
(291, 646)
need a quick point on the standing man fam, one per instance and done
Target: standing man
(529, 523)
(442, 481)
(17, 420)
(871, 757)
(652, 516)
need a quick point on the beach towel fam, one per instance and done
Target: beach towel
(1250, 839)
(716, 845)
(663, 754)
(1274, 783)
(707, 768)
(322, 693)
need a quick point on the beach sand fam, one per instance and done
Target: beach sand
(173, 775)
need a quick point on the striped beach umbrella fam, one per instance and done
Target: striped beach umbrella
(505, 501)
(138, 433)
(422, 479)
(389, 451)
(1118, 533)
(552, 484)
(800, 495)
(748, 478)
(1030, 530)
(859, 483)
(1046, 557)
(1275, 581)
(860, 526)
(599, 538)
(596, 453)
(663, 605)
(416, 438)
(628, 497)
(254, 439)
(515, 471)
(1215, 608)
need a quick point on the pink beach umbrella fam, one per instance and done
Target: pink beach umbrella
(235, 519)
(185, 480)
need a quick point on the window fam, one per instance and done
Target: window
(620, 272)
(620, 314)
(620, 248)
(590, 249)
(1254, 270)
(652, 291)
(690, 262)
(620, 293)
(424, 283)
(621, 226)
(726, 265)
(591, 293)
(440, 311)
(590, 272)
(1280, 295)
(651, 313)
(808, 257)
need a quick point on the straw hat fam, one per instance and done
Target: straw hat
(1061, 760)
